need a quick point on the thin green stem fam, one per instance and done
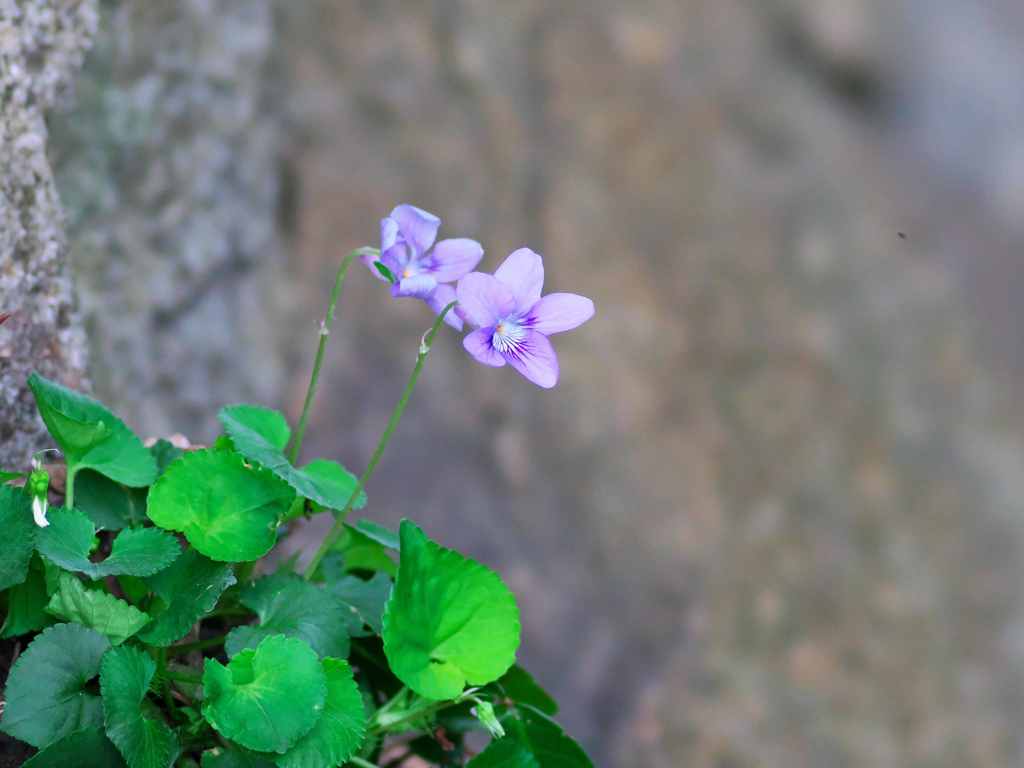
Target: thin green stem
(69, 488)
(182, 677)
(396, 415)
(385, 723)
(196, 645)
(325, 332)
(362, 763)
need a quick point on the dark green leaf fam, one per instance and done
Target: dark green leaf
(341, 728)
(518, 685)
(227, 509)
(26, 604)
(88, 748)
(6, 477)
(70, 538)
(164, 452)
(383, 536)
(260, 434)
(90, 436)
(268, 698)
(143, 739)
(187, 590)
(532, 736)
(95, 609)
(46, 696)
(19, 535)
(365, 599)
(449, 620)
(361, 553)
(109, 505)
(218, 757)
(286, 604)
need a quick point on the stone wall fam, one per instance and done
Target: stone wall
(42, 44)
(170, 169)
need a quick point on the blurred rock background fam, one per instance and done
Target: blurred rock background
(771, 516)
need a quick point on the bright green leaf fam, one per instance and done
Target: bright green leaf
(533, 741)
(87, 748)
(6, 477)
(26, 604)
(268, 698)
(90, 436)
(109, 505)
(449, 620)
(19, 535)
(186, 591)
(96, 609)
(46, 695)
(518, 685)
(341, 728)
(227, 510)
(70, 538)
(141, 736)
(365, 599)
(286, 604)
(260, 434)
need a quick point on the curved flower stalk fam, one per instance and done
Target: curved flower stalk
(514, 321)
(416, 265)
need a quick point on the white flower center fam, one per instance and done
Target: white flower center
(507, 335)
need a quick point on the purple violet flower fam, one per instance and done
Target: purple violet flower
(421, 267)
(514, 322)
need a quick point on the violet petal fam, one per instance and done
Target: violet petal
(478, 344)
(451, 259)
(559, 312)
(523, 272)
(483, 299)
(535, 358)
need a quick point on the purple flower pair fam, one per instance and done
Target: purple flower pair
(513, 320)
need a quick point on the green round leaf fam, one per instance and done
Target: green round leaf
(341, 728)
(449, 620)
(90, 436)
(46, 696)
(19, 535)
(261, 434)
(95, 609)
(286, 604)
(227, 509)
(268, 698)
(533, 741)
(88, 748)
(143, 739)
(187, 590)
(71, 536)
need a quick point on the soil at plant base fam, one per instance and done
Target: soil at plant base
(12, 752)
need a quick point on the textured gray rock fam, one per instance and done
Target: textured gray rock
(169, 168)
(42, 45)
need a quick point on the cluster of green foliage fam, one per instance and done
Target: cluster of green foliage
(155, 634)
